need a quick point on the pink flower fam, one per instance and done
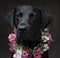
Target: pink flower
(12, 49)
(37, 53)
(11, 37)
(25, 54)
(12, 45)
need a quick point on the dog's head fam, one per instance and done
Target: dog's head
(28, 21)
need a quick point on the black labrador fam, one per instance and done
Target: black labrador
(29, 22)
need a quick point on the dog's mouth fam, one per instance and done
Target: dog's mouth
(23, 36)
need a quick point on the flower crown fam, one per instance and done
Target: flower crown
(25, 52)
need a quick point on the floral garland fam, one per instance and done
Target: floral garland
(24, 52)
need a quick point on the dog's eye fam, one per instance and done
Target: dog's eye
(31, 15)
(20, 14)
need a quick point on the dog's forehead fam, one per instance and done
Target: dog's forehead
(25, 9)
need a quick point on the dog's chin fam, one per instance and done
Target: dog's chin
(27, 39)
(23, 36)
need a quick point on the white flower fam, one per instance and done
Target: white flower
(18, 54)
(46, 47)
(45, 38)
(14, 55)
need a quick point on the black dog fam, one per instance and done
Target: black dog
(29, 21)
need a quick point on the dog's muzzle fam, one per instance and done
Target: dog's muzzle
(22, 31)
(22, 28)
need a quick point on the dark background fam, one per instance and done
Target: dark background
(52, 7)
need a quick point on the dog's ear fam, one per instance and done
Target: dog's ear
(46, 19)
(9, 18)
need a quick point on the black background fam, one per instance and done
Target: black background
(52, 7)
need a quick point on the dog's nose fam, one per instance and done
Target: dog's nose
(22, 27)
(23, 24)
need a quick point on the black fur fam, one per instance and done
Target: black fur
(29, 21)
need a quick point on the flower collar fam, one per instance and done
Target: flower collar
(25, 52)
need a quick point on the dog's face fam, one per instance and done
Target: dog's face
(28, 21)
